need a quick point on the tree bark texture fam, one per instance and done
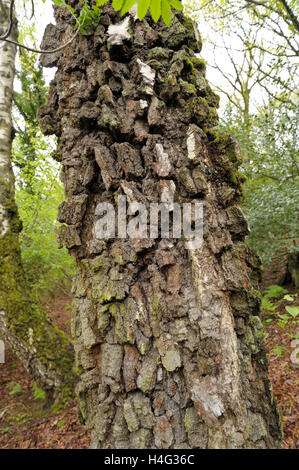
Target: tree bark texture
(46, 352)
(168, 341)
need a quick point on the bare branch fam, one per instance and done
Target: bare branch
(38, 51)
(41, 51)
(5, 35)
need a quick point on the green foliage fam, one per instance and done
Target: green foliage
(15, 388)
(279, 350)
(252, 50)
(90, 14)
(269, 148)
(38, 190)
(29, 140)
(288, 297)
(89, 17)
(46, 267)
(277, 315)
(267, 305)
(293, 311)
(127, 5)
(60, 423)
(275, 291)
(282, 319)
(142, 8)
(38, 393)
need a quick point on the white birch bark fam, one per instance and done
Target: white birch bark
(7, 73)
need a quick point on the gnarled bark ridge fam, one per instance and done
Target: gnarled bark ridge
(45, 351)
(168, 340)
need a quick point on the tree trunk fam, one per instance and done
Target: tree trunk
(46, 352)
(168, 340)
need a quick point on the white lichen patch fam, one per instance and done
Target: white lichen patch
(169, 352)
(206, 398)
(163, 165)
(30, 340)
(4, 223)
(133, 12)
(148, 76)
(191, 145)
(159, 374)
(167, 188)
(195, 147)
(143, 104)
(128, 192)
(30, 336)
(119, 33)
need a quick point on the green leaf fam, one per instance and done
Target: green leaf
(16, 389)
(101, 3)
(283, 317)
(38, 393)
(166, 12)
(156, 9)
(274, 291)
(3, 431)
(278, 351)
(60, 3)
(288, 297)
(142, 8)
(117, 4)
(127, 6)
(267, 305)
(176, 4)
(96, 10)
(294, 311)
(267, 321)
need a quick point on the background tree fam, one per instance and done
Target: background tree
(26, 102)
(38, 189)
(46, 352)
(258, 43)
(270, 143)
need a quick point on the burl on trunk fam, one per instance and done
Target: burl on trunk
(168, 340)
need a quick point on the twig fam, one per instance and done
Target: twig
(38, 51)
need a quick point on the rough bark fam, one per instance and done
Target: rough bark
(45, 351)
(168, 341)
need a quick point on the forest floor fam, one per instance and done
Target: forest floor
(26, 422)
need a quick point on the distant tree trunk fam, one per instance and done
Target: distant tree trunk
(291, 274)
(168, 340)
(45, 351)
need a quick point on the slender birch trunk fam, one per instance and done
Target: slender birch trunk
(45, 351)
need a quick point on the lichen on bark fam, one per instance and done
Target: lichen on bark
(166, 340)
